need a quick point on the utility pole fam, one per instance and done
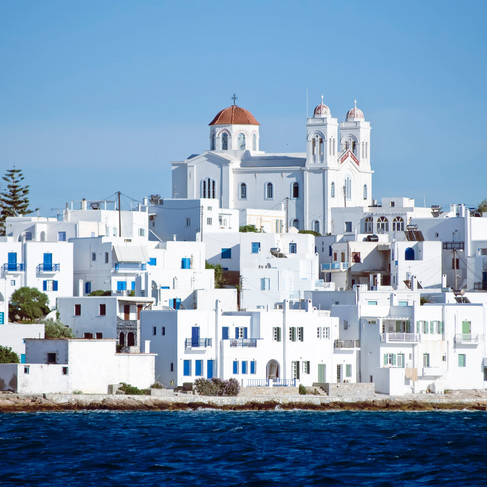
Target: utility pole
(119, 216)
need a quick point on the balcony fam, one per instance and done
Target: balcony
(200, 343)
(243, 342)
(453, 245)
(400, 337)
(480, 286)
(13, 267)
(334, 266)
(466, 339)
(347, 344)
(271, 382)
(48, 268)
(129, 267)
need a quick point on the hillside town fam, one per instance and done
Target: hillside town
(275, 269)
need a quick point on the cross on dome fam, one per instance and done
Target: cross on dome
(234, 98)
(322, 97)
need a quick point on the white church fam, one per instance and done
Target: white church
(334, 172)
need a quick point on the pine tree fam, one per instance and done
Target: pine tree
(13, 200)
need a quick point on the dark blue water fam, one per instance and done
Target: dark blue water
(243, 448)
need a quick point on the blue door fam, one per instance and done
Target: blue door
(195, 336)
(12, 261)
(209, 369)
(48, 262)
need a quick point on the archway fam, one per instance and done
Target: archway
(121, 340)
(272, 369)
(130, 339)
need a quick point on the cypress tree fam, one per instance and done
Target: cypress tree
(13, 200)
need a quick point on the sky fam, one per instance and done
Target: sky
(98, 97)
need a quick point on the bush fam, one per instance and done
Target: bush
(57, 329)
(157, 385)
(249, 229)
(27, 304)
(132, 390)
(217, 387)
(310, 232)
(302, 390)
(8, 356)
(100, 292)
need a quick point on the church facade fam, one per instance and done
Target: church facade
(334, 171)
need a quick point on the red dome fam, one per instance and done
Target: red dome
(234, 115)
(355, 114)
(322, 111)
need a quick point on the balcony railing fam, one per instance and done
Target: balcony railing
(271, 382)
(48, 267)
(129, 266)
(480, 286)
(200, 343)
(466, 338)
(347, 344)
(334, 266)
(243, 342)
(400, 337)
(13, 267)
(453, 245)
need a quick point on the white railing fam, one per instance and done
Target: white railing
(400, 337)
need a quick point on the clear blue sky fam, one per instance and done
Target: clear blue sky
(100, 96)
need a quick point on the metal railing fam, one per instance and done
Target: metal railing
(271, 382)
(200, 343)
(453, 245)
(13, 267)
(347, 344)
(129, 266)
(243, 342)
(480, 286)
(400, 337)
(48, 267)
(466, 338)
(334, 266)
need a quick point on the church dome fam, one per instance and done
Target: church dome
(355, 114)
(234, 115)
(322, 110)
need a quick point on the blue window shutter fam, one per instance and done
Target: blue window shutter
(235, 366)
(245, 332)
(209, 369)
(236, 332)
(198, 367)
(252, 367)
(44, 285)
(226, 254)
(244, 367)
(87, 287)
(132, 286)
(54, 286)
(187, 367)
(225, 333)
(22, 358)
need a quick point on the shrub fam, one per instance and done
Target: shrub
(100, 292)
(8, 356)
(28, 304)
(56, 329)
(157, 385)
(131, 390)
(310, 232)
(217, 387)
(302, 390)
(249, 229)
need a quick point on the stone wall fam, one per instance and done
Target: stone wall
(359, 389)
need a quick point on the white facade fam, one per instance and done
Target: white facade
(13, 335)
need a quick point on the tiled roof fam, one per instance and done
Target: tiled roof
(234, 115)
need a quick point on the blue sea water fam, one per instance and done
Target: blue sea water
(272, 448)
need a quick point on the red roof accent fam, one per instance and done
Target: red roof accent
(348, 154)
(234, 115)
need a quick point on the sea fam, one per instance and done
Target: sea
(268, 448)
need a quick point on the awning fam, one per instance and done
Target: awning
(131, 253)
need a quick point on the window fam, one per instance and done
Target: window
(61, 236)
(26, 369)
(332, 191)
(187, 368)
(121, 286)
(49, 285)
(300, 334)
(198, 367)
(255, 247)
(212, 141)
(295, 369)
(293, 248)
(356, 257)
(348, 188)
(152, 261)
(163, 331)
(243, 191)
(188, 222)
(28, 235)
(426, 359)
(209, 221)
(265, 284)
(409, 254)
(295, 223)
(269, 191)
(326, 332)
(398, 224)
(393, 204)
(103, 309)
(348, 227)
(348, 370)
(208, 188)
(241, 141)
(316, 226)
(455, 263)
(400, 360)
(99, 335)
(306, 367)
(372, 303)
(235, 366)
(185, 263)
(224, 141)
(226, 254)
(345, 324)
(276, 333)
(93, 256)
(51, 358)
(295, 190)
(107, 258)
(244, 367)
(87, 287)
(365, 192)
(389, 359)
(154, 330)
(253, 367)
(382, 224)
(292, 333)
(65, 371)
(369, 225)
(225, 333)
(462, 360)
(77, 310)
(172, 367)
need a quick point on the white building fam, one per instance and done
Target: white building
(13, 335)
(334, 171)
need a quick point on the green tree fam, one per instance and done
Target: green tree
(28, 304)
(56, 329)
(218, 273)
(8, 356)
(482, 206)
(14, 199)
(249, 228)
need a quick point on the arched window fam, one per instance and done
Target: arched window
(254, 141)
(365, 192)
(212, 141)
(409, 254)
(346, 145)
(354, 147)
(295, 223)
(382, 224)
(224, 141)
(332, 191)
(241, 141)
(243, 191)
(316, 226)
(295, 191)
(398, 224)
(329, 146)
(208, 188)
(322, 148)
(269, 191)
(313, 146)
(130, 339)
(348, 188)
(369, 225)
(121, 340)
(363, 149)
(366, 150)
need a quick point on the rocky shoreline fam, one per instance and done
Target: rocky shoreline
(473, 400)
